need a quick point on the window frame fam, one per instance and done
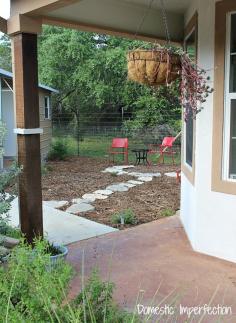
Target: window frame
(228, 97)
(47, 97)
(218, 183)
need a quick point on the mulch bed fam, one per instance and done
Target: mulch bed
(76, 176)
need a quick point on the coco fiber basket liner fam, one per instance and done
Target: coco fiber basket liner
(153, 67)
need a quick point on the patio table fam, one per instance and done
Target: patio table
(141, 156)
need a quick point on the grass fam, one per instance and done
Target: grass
(97, 147)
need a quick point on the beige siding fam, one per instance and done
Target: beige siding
(45, 124)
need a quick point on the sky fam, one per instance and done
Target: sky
(5, 8)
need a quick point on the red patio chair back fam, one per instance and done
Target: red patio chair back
(168, 141)
(119, 143)
(119, 146)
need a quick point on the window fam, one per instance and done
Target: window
(229, 151)
(190, 45)
(189, 141)
(47, 107)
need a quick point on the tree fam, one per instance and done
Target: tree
(5, 52)
(90, 72)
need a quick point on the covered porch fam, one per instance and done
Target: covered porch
(134, 19)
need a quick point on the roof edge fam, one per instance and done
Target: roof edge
(8, 74)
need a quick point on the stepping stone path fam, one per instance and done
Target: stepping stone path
(84, 204)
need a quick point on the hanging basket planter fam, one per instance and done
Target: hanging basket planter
(153, 67)
(162, 66)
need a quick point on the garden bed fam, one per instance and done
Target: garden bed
(76, 176)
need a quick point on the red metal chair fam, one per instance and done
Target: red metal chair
(166, 148)
(116, 146)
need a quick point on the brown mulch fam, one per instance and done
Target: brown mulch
(76, 176)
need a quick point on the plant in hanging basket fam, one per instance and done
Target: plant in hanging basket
(153, 67)
(194, 88)
(162, 66)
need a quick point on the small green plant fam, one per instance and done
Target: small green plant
(59, 150)
(124, 217)
(45, 169)
(113, 174)
(51, 249)
(167, 212)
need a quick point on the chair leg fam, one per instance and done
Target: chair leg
(126, 159)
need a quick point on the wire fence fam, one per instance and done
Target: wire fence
(94, 140)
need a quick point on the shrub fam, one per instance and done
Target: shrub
(124, 217)
(97, 302)
(167, 212)
(59, 150)
(29, 292)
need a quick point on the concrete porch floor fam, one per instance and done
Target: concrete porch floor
(157, 255)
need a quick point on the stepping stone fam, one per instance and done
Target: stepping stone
(136, 174)
(150, 174)
(145, 179)
(129, 185)
(117, 188)
(56, 204)
(122, 173)
(80, 200)
(135, 182)
(92, 197)
(103, 192)
(123, 167)
(80, 208)
(171, 174)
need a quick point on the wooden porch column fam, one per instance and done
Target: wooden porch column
(26, 100)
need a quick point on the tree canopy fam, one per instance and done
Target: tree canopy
(90, 72)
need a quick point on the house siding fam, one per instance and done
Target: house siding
(10, 145)
(46, 125)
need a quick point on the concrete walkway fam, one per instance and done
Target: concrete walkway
(154, 256)
(62, 227)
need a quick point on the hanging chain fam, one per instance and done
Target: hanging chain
(165, 21)
(143, 18)
(164, 17)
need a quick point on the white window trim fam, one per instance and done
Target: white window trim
(189, 167)
(49, 107)
(227, 104)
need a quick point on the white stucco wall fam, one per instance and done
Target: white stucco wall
(209, 218)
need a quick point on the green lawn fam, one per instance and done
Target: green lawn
(97, 146)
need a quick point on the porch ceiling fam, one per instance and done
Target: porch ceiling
(120, 17)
